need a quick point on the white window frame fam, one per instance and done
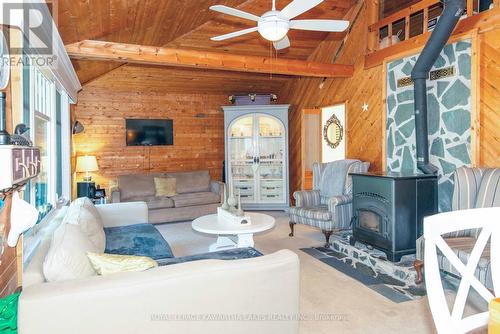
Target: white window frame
(46, 109)
(45, 112)
(66, 134)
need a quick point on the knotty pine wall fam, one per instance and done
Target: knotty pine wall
(198, 131)
(364, 129)
(489, 100)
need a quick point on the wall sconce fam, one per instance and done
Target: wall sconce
(77, 128)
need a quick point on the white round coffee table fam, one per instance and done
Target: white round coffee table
(233, 236)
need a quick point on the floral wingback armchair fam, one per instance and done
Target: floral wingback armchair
(319, 207)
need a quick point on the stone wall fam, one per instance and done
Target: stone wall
(449, 113)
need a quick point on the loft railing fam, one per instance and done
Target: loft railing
(411, 22)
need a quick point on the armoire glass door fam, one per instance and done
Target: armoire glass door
(242, 158)
(257, 145)
(271, 173)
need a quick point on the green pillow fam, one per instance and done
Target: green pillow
(8, 314)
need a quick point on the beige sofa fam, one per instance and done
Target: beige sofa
(181, 298)
(197, 195)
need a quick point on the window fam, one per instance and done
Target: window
(43, 117)
(59, 148)
(47, 113)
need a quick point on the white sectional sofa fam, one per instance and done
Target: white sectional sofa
(207, 296)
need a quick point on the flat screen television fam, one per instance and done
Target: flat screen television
(150, 132)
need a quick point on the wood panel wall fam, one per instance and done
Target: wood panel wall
(364, 129)
(489, 93)
(198, 131)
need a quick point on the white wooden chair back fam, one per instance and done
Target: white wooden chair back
(488, 220)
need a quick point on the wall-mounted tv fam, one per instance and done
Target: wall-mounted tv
(150, 132)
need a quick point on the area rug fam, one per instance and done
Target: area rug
(388, 286)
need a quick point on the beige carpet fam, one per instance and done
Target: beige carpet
(323, 289)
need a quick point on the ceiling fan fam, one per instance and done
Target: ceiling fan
(274, 25)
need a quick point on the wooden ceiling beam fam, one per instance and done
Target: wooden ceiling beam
(150, 55)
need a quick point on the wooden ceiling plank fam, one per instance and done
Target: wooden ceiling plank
(303, 42)
(188, 22)
(139, 54)
(147, 79)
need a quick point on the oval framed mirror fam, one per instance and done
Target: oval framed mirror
(333, 132)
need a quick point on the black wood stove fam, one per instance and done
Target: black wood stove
(389, 209)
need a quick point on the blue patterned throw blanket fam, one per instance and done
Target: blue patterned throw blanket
(139, 240)
(228, 254)
(333, 178)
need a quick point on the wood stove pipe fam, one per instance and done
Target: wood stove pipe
(453, 10)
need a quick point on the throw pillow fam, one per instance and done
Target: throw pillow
(67, 255)
(87, 204)
(79, 215)
(105, 264)
(494, 316)
(165, 186)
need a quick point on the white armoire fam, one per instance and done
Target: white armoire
(256, 139)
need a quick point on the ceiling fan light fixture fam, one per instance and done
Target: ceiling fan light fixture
(273, 28)
(274, 24)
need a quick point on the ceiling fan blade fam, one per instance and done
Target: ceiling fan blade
(234, 34)
(283, 44)
(297, 7)
(320, 25)
(235, 12)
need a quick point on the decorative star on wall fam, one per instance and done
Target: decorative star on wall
(365, 107)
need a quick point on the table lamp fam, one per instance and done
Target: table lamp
(86, 164)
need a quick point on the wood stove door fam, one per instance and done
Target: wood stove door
(371, 225)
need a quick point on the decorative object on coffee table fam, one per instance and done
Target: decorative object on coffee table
(232, 235)
(231, 201)
(233, 218)
(225, 205)
(239, 210)
(233, 215)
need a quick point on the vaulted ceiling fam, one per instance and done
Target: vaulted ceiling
(186, 24)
